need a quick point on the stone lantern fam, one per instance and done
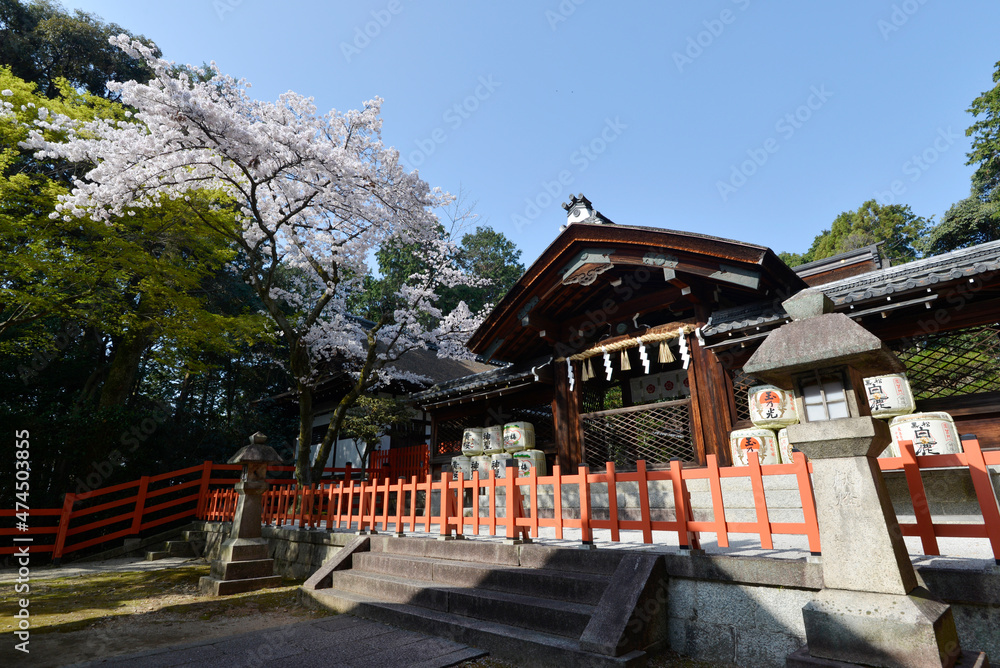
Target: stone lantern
(243, 564)
(871, 610)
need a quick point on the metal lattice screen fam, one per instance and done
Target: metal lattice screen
(449, 437)
(653, 432)
(741, 386)
(964, 361)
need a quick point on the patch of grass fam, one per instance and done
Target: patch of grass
(64, 605)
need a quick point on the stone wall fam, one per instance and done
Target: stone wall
(743, 611)
(296, 553)
(747, 611)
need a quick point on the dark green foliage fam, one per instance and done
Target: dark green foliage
(41, 42)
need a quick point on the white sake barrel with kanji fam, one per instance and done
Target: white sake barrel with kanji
(784, 447)
(889, 395)
(931, 433)
(518, 436)
(771, 407)
(472, 441)
(481, 463)
(762, 441)
(530, 459)
(493, 439)
(500, 463)
(461, 464)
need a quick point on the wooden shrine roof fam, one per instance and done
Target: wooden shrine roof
(627, 276)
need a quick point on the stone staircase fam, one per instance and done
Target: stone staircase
(528, 604)
(192, 544)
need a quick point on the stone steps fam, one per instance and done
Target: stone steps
(582, 588)
(192, 545)
(558, 617)
(529, 604)
(525, 647)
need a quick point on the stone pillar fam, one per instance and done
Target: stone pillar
(243, 564)
(870, 611)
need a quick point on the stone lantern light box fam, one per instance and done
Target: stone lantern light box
(871, 610)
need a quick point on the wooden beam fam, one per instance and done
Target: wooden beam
(721, 271)
(610, 311)
(566, 409)
(711, 404)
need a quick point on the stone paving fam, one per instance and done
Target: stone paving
(337, 641)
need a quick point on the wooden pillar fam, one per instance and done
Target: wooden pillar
(566, 423)
(711, 404)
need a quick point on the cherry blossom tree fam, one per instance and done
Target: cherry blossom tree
(312, 196)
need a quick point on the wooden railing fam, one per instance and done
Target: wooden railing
(108, 514)
(400, 506)
(383, 504)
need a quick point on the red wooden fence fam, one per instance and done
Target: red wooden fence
(111, 513)
(385, 505)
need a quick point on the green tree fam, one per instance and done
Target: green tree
(894, 224)
(487, 254)
(138, 285)
(42, 43)
(371, 418)
(968, 222)
(985, 133)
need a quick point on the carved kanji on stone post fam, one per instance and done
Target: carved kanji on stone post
(871, 610)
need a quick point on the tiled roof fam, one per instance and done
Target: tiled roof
(962, 263)
(481, 381)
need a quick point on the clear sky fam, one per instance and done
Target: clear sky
(752, 120)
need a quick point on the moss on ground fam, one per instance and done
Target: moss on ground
(63, 605)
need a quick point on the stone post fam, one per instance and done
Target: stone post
(243, 564)
(871, 610)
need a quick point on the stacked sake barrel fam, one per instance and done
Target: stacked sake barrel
(771, 409)
(498, 448)
(891, 398)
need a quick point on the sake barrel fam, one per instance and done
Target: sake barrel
(500, 463)
(481, 463)
(889, 395)
(931, 433)
(530, 459)
(461, 464)
(771, 407)
(493, 439)
(784, 447)
(762, 441)
(518, 436)
(472, 441)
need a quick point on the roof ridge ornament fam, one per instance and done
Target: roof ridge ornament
(579, 209)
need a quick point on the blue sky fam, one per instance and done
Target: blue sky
(739, 118)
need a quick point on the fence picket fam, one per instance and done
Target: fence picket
(921, 508)
(983, 484)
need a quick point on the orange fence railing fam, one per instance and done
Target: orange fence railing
(976, 461)
(409, 505)
(509, 504)
(89, 519)
(416, 505)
